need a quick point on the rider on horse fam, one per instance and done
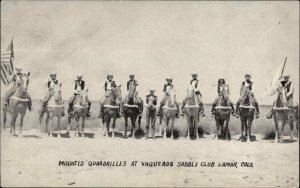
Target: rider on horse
(195, 84)
(108, 85)
(249, 85)
(16, 80)
(290, 91)
(79, 85)
(136, 100)
(52, 82)
(221, 84)
(167, 87)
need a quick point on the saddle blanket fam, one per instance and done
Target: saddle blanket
(166, 107)
(192, 106)
(131, 105)
(243, 106)
(222, 107)
(110, 106)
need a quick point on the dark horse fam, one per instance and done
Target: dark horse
(111, 109)
(284, 114)
(131, 110)
(222, 114)
(247, 112)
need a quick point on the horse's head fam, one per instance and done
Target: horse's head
(151, 106)
(56, 92)
(116, 94)
(171, 97)
(24, 82)
(132, 90)
(190, 92)
(83, 98)
(282, 96)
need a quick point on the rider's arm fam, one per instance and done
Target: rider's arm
(147, 99)
(165, 88)
(128, 85)
(291, 90)
(155, 101)
(76, 90)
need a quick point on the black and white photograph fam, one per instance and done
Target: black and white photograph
(149, 93)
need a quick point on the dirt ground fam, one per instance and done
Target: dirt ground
(33, 159)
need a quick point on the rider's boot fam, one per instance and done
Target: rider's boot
(213, 111)
(101, 112)
(29, 105)
(182, 111)
(43, 110)
(237, 111)
(5, 105)
(70, 109)
(202, 114)
(160, 110)
(270, 114)
(257, 110)
(232, 110)
(88, 113)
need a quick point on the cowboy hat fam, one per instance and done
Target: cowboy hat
(194, 74)
(79, 75)
(151, 89)
(248, 74)
(18, 70)
(169, 78)
(53, 73)
(131, 74)
(110, 74)
(286, 76)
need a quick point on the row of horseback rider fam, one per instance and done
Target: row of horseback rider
(80, 85)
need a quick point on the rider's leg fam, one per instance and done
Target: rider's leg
(162, 103)
(29, 102)
(71, 101)
(238, 106)
(89, 107)
(182, 107)
(101, 108)
(200, 104)
(256, 106)
(44, 103)
(214, 106)
(231, 104)
(178, 111)
(270, 114)
(8, 94)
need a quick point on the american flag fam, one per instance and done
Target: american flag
(7, 65)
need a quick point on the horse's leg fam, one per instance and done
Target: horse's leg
(133, 129)
(4, 119)
(189, 126)
(282, 130)
(167, 120)
(242, 130)
(58, 125)
(107, 125)
(126, 125)
(291, 123)
(21, 122)
(276, 129)
(227, 134)
(196, 121)
(172, 127)
(82, 127)
(13, 124)
(113, 127)
(249, 130)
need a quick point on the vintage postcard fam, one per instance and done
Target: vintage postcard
(149, 93)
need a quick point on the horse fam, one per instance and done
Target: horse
(247, 112)
(80, 110)
(282, 113)
(222, 113)
(169, 113)
(192, 111)
(18, 104)
(55, 108)
(131, 110)
(111, 109)
(150, 117)
(293, 114)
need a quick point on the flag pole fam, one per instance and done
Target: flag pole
(283, 67)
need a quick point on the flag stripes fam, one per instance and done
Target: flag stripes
(7, 68)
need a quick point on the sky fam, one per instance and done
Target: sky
(153, 40)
